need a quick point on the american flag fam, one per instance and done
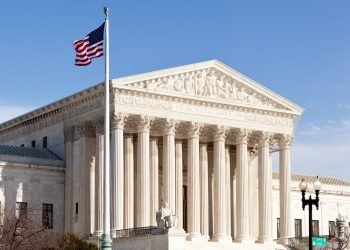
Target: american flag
(90, 47)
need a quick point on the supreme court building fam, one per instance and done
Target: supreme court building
(199, 137)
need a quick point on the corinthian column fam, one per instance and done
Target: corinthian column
(285, 142)
(143, 174)
(265, 188)
(220, 197)
(228, 189)
(178, 184)
(99, 178)
(193, 182)
(169, 164)
(154, 180)
(242, 186)
(129, 182)
(117, 172)
(203, 169)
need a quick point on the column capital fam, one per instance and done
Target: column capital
(285, 141)
(243, 136)
(99, 126)
(194, 129)
(118, 120)
(170, 126)
(144, 123)
(87, 129)
(265, 139)
(68, 134)
(220, 133)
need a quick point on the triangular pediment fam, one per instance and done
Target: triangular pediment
(212, 81)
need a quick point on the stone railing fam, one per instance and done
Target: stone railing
(134, 232)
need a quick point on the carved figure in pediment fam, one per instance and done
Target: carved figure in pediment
(222, 87)
(170, 83)
(233, 91)
(189, 84)
(241, 95)
(178, 85)
(201, 83)
(151, 84)
(211, 84)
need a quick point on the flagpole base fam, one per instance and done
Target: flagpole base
(106, 242)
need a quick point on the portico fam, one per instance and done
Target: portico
(198, 137)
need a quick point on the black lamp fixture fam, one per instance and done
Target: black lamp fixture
(309, 202)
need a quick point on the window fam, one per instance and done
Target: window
(21, 210)
(76, 208)
(22, 145)
(45, 142)
(298, 228)
(278, 228)
(48, 216)
(315, 228)
(331, 228)
(33, 144)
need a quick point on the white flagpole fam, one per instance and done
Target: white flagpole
(106, 238)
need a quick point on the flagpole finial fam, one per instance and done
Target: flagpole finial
(106, 11)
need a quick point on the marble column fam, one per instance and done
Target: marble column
(154, 180)
(220, 197)
(228, 189)
(286, 223)
(265, 188)
(99, 178)
(203, 170)
(129, 181)
(242, 186)
(68, 205)
(117, 172)
(178, 183)
(193, 182)
(143, 173)
(168, 192)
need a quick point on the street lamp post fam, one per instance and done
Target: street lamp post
(309, 202)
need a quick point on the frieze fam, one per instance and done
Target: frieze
(239, 114)
(209, 83)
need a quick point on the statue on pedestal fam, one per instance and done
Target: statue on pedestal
(165, 219)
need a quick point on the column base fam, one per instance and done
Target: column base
(264, 240)
(194, 237)
(205, 237)
(97, 233)
(106, 242)
(221, 238)
(113, 233)
(243, 239)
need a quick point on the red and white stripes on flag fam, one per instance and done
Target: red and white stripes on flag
(90, 47)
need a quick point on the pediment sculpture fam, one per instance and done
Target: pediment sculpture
(208, 83)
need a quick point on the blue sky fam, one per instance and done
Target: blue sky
(299, 49)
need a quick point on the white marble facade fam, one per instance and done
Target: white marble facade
(195, 136)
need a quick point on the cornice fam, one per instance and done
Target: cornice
(54, 113)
